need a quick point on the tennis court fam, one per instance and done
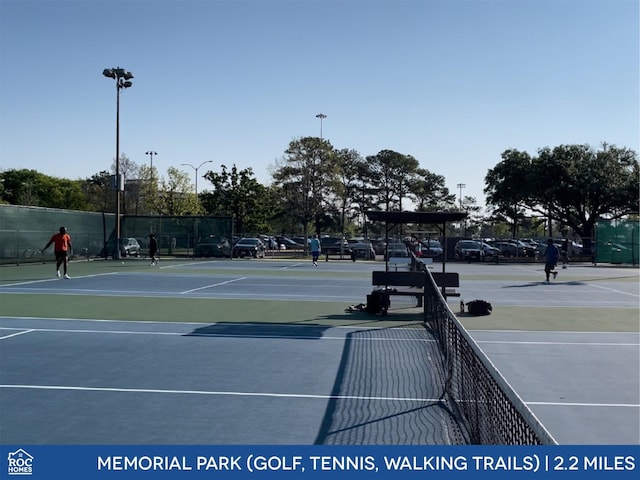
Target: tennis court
(263, 352)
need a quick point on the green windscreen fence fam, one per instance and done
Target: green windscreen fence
(179, 236)
(24, 231)
(617, 241)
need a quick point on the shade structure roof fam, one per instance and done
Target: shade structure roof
(403, 217)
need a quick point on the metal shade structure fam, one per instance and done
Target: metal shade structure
(398, 218)
(392, 219)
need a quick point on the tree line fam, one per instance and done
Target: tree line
(319, 188)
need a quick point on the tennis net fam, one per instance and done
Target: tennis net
(474, 391)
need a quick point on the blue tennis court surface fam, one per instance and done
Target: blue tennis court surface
(202, 375)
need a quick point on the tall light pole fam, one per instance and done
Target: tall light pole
(321, 116)
(123, 80)
(151, 153)
(461, 186)
(196, 169)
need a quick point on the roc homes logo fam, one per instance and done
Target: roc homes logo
(19, 463)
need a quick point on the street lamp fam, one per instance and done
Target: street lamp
(196, 169)
(123, 80)
(321, 116)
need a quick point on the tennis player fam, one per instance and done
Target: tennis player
(61, 247)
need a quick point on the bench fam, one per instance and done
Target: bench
(448, 281)
(399, 262)
(346, 255)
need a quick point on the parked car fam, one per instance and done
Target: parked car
(270, 243)
(285, 243)
(490, 251)
(508, 249)
(363, 249)
(212, 248)
(614, 253)
(300, 240)
(378, 246)
(396, 250)
(468, 250)
(515, 248)
(128, 247)
(248, 247)
(334, 246)
(431, 248)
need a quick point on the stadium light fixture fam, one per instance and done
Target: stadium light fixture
(321, 116)
(123, 80)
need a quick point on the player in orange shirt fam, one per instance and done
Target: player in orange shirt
(61, 247)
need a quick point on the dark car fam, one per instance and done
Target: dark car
(334, 246)
(362, 249)
(285, 243)
(515, 249)
(396, 250)
(379, 246)
(212, 248)
(248, 247)
(490, 251)
(468, 250)
(431, 248)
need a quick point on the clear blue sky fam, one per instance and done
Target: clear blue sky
(453, 83)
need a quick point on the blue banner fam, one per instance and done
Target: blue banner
(177, 462)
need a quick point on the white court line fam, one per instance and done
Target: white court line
(614, 290)
(283, 395)
(212, 285)
(221, 335)
(15, 334)
(110, 320)
(581, 404)
(219, 393)
(554, 332)
(54, 280)
(596, 344)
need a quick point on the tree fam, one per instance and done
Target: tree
(237, 193)
(175, 195)
(147, 188)
(509, 187)
(347, 184)
(303, 177)
(100, 196)
(473, 222)
(583, 185)
(394, 173)
(29, 187)
(430, 193)
(132, 188)
(574, 185)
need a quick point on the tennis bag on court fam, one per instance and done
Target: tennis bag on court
(479, 307)
(377, 301)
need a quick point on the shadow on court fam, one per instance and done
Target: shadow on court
(389, 390)
(260, 330)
